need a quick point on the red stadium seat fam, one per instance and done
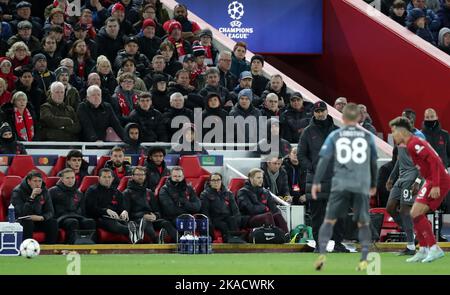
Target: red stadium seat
(22, 164)
(59, 165)
(104, 236)
(194, 173)
(2, 177)
(141, 161)
(236, 184)
(100, 164)
(389, 225)
(9, 183)
(51, 181)
(87, 182)
(123, 183)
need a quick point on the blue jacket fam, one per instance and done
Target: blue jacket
(6, 32)
(444, 15)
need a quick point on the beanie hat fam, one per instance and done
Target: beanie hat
(415, 14)
(442, 33)
(148, 22)
(55, 11)
(61, 70)
(258, 57)
(5, 128)
(117, 6)
(246, 92)
(198, 49)
(38, 57)
(206, 32)
(173, 25)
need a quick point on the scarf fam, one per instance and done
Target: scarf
(124, 108)
(24, 125)
(178, 46)
(273, 181)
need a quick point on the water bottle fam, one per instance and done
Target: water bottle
(11, 214)
(190, 244)
(196, 245)
(208, 245)
(183, 241)
(203, 245)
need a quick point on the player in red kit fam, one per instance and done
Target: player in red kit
(432, 193)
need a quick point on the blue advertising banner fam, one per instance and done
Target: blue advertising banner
(267, 26)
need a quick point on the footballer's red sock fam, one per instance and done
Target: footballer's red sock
(419, 237)
(423, 226)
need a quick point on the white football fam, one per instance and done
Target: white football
(30, 248)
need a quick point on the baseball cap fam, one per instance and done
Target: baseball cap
(320, 105)
(246, 75)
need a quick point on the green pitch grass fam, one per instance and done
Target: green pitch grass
(261, 263)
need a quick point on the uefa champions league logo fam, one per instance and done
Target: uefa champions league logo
(236, 12)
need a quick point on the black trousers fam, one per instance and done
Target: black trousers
(318, 209)
(49, 227)
(225, 225)
(268, 218)
(71, 224)
(152, 226)
(113, 225)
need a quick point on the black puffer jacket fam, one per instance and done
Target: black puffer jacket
(147, 46)
(100, 198)
(41, 205)
(218, 204)
(193, 100)
(67, 201)
(251, 111)
(172, 113)
(255, 200)
(132, 146)
(293, 122)
(140, 201)
(153, 174)
(151, 124)
(308, 153)
(108, 46)
(178, 198)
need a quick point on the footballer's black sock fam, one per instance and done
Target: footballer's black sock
(364, 236)
(325, 233)
(408, 227)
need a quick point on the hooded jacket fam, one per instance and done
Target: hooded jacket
(67, 201)
(100, 198)
(178, 198)
(10, 146)
(441, 44)
(133, 147)
(255, 200)
(223, 93)
(218, 204)
(59, 122)
(308, 153)
(140, 201)
(41, 205)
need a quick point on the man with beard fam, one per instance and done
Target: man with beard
(118, 165)
(133, 140)
(189, 29)
(69, 204)
(178, 197)
(156, 167)
(144, 209)
(308, 155)
(437, 137)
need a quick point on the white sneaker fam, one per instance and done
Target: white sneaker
(418, 257)
(132, 228)
(140, 232)
(433, 255)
